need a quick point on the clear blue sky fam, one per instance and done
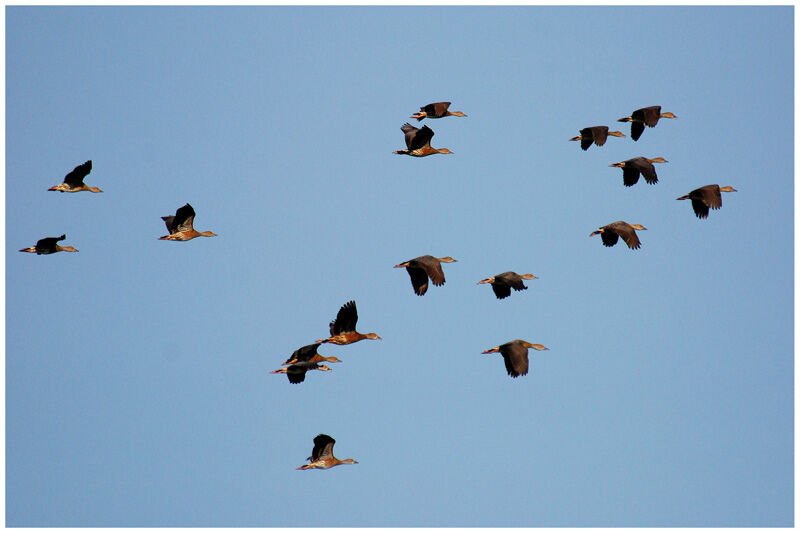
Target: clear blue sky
(138, 390)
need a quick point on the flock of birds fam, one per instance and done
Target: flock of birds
(426, 268)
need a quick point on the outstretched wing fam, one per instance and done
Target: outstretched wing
(345, 320)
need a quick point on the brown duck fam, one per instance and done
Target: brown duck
(424, 267)
(343, 328)
(515, 355)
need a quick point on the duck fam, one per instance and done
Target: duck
(418, 142)
(436, 110)
(503, 283)
(610, 233)
(181, 226)
(515, 355)
(639, 165)
(297, 371)
(646, 116)
(49, 245)
(596, 135)
(705, 197)
(343, 327)
(424, 267)
(73, 182)
(322, 455)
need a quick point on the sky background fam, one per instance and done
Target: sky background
(138, 390)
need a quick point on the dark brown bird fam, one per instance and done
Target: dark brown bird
(639, 165)
(705, 197)
(437, 110)
(515, 355)
(322, 455)
(418, 142)
(503, 283)
(612, 232)
(73, 182)
(49, 245)
(297, 372)
(424, 267)
(181, 226)
(309, 354)
(646, 116)
(596, 135)
(343, 328)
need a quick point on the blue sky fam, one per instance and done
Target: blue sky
(138, 390)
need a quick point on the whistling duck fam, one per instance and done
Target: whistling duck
(297, 372)
(645, 116)
(705, 197)
(180, 226)
(437, 110)
(612, 232)
(639, 165)
(49, 245)
(309, 354)
(503, 283)
(343, 328)
(418, 142)
(322, 454)
(424, 267)
(515, 355)
(73, 182)
(596, 135)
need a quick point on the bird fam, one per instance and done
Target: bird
(612, 232)
(297, 371)
(309, 354)
(705, 197)
(49, 245)
(437, 110)
(180, 226)
(343, 328)
(322, 455)
(418, 142)
(503, 283)
(596, 135)
(424, 267)
(73, 182)
(639, 165)
(645, 116)
(515, 355)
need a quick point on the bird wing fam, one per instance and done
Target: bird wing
(647, 169)
(296, 373)
(651, 115)
(515, 357)
(599, 134)
(501, 289)
(630, 175)
(170, 222)
(323, 447)
(433, 267)
(184, 218)
(48, 244)
(627, 233)
(346, 319)
(438, 109)
(303, 354)
(700, 208)
(421, 138)
(512, 279)
(75, 177)
(410, 132)
(419, 279)
(609, 237)
(637, 128)
(711, 196)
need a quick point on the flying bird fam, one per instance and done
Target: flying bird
(322, 455)
(646, 116)
(503, 283)
(343, 327)
(297, 372)
(515, 355)
(73, 182)
(49, 245)
(639, 165)
(418, 142)
(424, 267)
(437, 110)
(596, 135)
(181, 226)
(612, 232)
(705, 197)
(309, 354)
